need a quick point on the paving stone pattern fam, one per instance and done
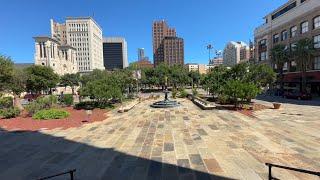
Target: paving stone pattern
(179, 143)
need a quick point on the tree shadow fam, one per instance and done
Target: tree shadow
(313, 102)
(32, 155)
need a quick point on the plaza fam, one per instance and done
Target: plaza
(176, 143)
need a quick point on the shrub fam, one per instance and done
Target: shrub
(41, 103)
(51, 114)
(194, 92)
(9, 112)
(183, 93)
(67, 99)
(85, 105)
(174, 93)
(223, 99)
(250, 91)
(6, 102)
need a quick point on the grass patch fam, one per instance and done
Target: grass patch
(50, 114)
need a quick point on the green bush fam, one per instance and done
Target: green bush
(6, 102)
(223, 99)
(183, 93)
(85, 105)
(174, 93)
(194, 92)
(250, 91)
(11, 112)
(67, 99)
(41, 103)
(51, 114)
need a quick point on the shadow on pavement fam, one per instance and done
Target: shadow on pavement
(31, 155)
(313, 102)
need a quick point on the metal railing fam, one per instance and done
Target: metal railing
(289, 168)
(71, 172)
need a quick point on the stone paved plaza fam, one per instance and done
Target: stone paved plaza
(177, 143)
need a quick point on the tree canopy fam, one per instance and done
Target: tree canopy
(40, 78)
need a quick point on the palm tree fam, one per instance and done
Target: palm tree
(302, 55)
(279, 56)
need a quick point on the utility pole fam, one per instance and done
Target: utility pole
(209, 47)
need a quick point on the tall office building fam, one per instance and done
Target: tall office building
(83, 34)
(173, 50)
(115, 54)
(141, 54)
(165, 42)
(286, 25)
(235, 53)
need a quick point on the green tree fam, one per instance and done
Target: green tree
(194, 77)
(40, 78)
(302, 55)
(18, 86)
(234, 90)
(71, 80)
(6, 72)
(261, 75)
(178, 76)
(215, 79)
(102, 90)
(279, 56)
(162, 71)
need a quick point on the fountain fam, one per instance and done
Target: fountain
(166, 103)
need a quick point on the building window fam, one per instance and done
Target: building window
(263, 56)
(316, 41)
(275, 38)
(284, 35)
(293, 31)
(316, 22)
(284, 10)
(317, 62)
(304, 27)
(293, 46)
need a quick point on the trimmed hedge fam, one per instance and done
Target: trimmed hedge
(50, 114)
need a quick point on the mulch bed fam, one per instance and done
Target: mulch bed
(76, 119)
(247, 112)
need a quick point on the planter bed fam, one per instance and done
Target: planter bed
(204, 105)
(76, 119)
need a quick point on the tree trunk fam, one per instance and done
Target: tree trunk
(303, 77)
(17, 102)
(281, 80)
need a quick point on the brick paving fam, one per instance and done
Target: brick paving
(179, 143)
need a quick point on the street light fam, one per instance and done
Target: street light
(209, 47)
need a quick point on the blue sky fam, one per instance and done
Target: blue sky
(199, 22)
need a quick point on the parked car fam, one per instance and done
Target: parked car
(295, 94)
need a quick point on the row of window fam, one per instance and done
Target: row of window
(293, 64)
(304, 28)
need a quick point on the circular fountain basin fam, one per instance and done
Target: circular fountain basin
(165, 104)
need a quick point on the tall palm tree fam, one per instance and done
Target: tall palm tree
(279, 56)
(302, 55)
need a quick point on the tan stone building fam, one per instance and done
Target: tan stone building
(167, 47)
(295, 20)
(201, 68)
(144, 64)
(49, 52)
